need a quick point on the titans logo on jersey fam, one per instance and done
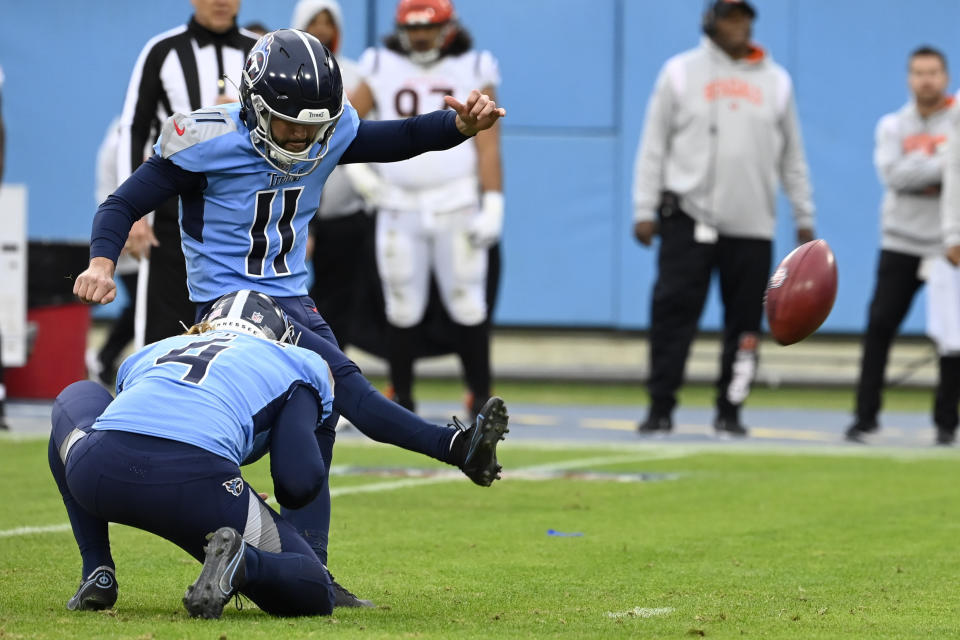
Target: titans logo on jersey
(250, 223)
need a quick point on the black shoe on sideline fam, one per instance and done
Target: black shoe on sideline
(98, 591)
(655, 425)
(730, 428)
(858, 432)
(343, 598)
(224, 570)
(946, 437)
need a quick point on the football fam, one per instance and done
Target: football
(801, 292)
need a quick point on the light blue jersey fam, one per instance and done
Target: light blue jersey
(217, 391)
(248, 228)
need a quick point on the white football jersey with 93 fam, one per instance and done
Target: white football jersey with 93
(402, 88)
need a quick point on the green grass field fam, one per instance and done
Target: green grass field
(691, 395)
(742, 542)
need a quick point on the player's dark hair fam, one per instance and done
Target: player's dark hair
(927, 51)
(461, 43)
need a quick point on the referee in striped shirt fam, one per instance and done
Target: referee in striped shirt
(180, 70)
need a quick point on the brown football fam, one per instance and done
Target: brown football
(801, 292)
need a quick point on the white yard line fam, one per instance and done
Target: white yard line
(641, 453)
(29, 531)
(404, 483)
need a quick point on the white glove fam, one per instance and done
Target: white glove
(366, 182)
(486, 226)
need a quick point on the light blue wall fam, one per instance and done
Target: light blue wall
(576, 77)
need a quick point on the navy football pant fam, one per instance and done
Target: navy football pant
(355, 398)
(179, 492)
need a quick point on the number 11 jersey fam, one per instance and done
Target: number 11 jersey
(247, 229)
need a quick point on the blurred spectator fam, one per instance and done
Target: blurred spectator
(721, 128)
(102, 364)
(433, 219)
(257, 28)
(179, 70)
(342, 227)
(909, 156)
(3, 388)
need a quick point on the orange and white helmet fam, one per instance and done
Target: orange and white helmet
(423, 13)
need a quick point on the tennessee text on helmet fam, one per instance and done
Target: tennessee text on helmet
(289, 75)
(425, 13)
(253, 313)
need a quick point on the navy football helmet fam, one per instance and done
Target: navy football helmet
(253, 313)
(290, 75)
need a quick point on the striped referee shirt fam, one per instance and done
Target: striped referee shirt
(180, 70)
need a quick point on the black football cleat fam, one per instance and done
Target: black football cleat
(490, 427)
(223, 573)
(344, 598)
(730, 428)
(655, 425)
(98, 591)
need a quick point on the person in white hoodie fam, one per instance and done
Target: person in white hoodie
(721, 131)
(909, 155)
(341, 234)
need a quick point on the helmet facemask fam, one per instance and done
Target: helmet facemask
(282, 159)
(430, 55)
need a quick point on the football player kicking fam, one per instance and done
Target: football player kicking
(249, 176)
(164, 456)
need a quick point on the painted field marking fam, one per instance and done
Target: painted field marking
(642, 612)
(27, 531)
(534, 420)
(404, 483)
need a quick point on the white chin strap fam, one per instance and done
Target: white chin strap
(278, 157)
(425, 57)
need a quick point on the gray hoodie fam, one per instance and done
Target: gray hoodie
(909, 157)
(721, 134)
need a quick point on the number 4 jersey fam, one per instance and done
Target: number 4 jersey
(248, 227)
(402, 89)
(218, 390)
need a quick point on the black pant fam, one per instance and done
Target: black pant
(897, 285)
(121, 332)
(684, 270)
(168, 302)
(340, 247)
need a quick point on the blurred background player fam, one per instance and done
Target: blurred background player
(189, 410)
(3, 388)
(721, 128)
(102, 364)
(440, 213)
(909, 155)
(179, 70)
(342, 231)
(256, 28)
